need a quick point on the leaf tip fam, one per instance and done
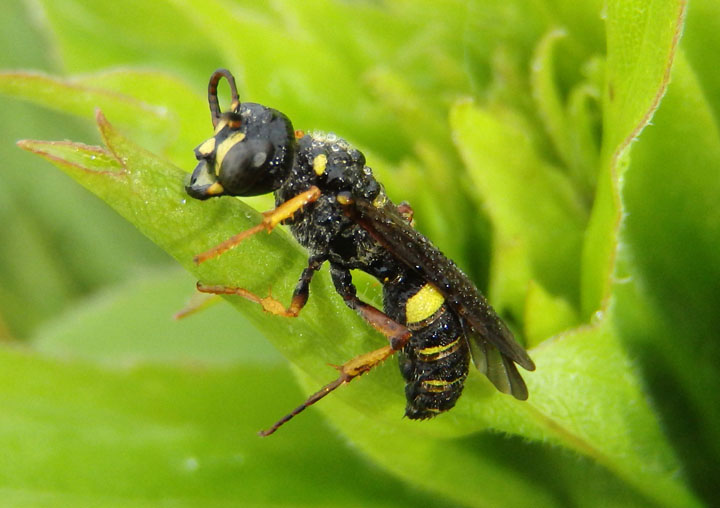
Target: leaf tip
(29, 145)
(101, 119)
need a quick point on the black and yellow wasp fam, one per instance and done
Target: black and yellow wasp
(433, 316)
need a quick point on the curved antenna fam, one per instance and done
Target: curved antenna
(213, 97)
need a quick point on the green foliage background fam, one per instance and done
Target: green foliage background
(566, 154)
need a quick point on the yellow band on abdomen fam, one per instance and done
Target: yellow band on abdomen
(423, 304)
(440, 351)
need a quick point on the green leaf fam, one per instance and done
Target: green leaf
(668, 299)
(75, 98)
(151, 193)
(519, 188)
(570, 126)
(133, 324)
(546, 315)
(90, 36)
(76, 435)
(701, 37)
(642, 38)
(547, 96)
(56, 236)
(147, 112)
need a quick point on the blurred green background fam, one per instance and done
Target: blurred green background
(514, 129)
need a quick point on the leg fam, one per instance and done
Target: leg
(270, 219)
(397, 334)
(269, 304)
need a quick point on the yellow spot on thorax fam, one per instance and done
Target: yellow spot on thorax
(344, 198)
(319, 164)
(380, 200)
(224, 147)
(423, 304)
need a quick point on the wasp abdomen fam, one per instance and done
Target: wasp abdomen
(434, 363)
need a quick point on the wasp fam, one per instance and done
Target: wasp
(433, 316)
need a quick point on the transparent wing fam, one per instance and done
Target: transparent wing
(498, 368)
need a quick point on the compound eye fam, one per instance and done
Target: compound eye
(243, 170)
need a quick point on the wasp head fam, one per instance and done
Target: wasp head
(251, 152)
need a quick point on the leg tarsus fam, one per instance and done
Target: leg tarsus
(302, 407)
(348, 371)
(268, 303)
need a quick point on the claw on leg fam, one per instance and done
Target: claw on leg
(268, 303)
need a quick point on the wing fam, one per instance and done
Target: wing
(410, 247)
(498, 368)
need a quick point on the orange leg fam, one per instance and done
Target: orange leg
(270, 219)
(348, 371)
(268, 303)
(398, 335)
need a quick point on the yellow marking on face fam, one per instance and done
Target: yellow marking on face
(215, 189)
(423, 304)
(221, 124)
(319, 164)
(207, 147)
(224, 147)
(434, 350)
